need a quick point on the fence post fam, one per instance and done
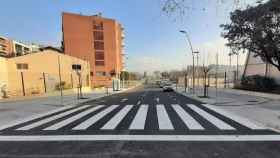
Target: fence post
(72, 84)
(22, 83)
(44, 79)
(209, 80)
(225, 83)
(186, 83)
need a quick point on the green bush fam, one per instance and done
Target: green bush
(258, 83)
(63, 85)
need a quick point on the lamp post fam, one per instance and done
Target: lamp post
(193, 55)
(197, 68)
(230, 56)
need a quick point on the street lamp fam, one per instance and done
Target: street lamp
(189, 41)
(197, 73)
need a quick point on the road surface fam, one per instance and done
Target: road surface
(143, 122)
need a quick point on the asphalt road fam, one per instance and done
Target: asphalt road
(143, 122)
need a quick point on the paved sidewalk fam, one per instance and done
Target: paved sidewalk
(259, 107)
(11, 110)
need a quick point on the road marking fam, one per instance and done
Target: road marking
(138, 103)
(157, 99)
(124, 100)
(241, 120)
(113, 123)
(33, 117)
(49, 119)
(187, 118)
(163, 118)
(72, 119)
(95, 118)
(177, 138)
(140, 118)
(217, 122)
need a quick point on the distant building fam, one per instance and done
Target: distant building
(256, 66)
(41, 72)
(12, 48)
(95, 39)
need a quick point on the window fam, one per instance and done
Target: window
(22, 66)
(98, 25)
(76, 67)
(18, 49)
(98, 35)
(98, 45)
(99, 63)
(91, 73)
(100, 73)
(26, 49)
(99, 55)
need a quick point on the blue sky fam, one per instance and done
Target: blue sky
(153, 41)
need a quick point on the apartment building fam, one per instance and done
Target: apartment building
(98, 40)
(13, 48)
(5, 46)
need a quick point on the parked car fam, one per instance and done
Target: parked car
(168, 87)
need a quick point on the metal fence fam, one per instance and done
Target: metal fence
(219, 80)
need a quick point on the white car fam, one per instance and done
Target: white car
(168, 87)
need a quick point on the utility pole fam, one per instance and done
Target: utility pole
(186, 81)
(60, 80)
(230, 54)
(216, 76)
(197, 70)
(237, 66)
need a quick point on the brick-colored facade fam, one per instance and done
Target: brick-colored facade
(95, 39)
(6, 46)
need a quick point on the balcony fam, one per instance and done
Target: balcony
(123, 35)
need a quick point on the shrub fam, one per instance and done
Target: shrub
(258, 83)
(63, 85)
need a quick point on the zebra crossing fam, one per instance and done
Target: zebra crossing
(144, 122)
(194, 118)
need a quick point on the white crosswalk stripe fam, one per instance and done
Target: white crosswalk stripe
(34, 117)
(217, 122)
(95, 118)
(113, 123)
(243, 121)
(163, 118)
(49, 119)
(140, 118)
(187, 118)
(72, 119)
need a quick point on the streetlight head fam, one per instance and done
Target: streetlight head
(182, 31)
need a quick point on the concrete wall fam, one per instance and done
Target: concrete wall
(43, 67)
(3, 73)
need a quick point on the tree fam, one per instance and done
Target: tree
(124, 76)
(257, 30)
(165, 74)
(180, 7)
(205, 70)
